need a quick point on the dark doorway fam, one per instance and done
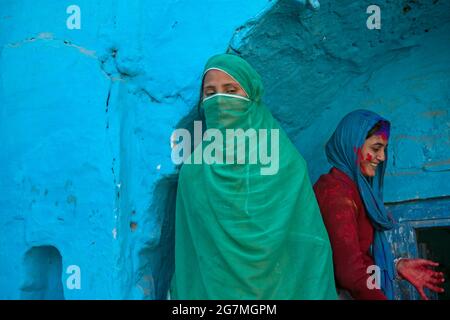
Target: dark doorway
(434, 244)
(43, 274)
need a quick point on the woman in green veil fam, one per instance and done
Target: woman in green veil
(246, 229)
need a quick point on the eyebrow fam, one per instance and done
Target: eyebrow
(379, 144)
(234, 85)
(211, 86)
(231, 84)
(225, 85)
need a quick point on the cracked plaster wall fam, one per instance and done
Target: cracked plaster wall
(86, 116)
(319, 66)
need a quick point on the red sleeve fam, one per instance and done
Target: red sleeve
(339, 215)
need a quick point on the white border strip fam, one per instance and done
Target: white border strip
(226, 95)
(228, 75)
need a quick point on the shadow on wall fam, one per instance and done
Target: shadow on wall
(43, 274)
(158, 258)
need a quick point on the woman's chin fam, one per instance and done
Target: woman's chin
(368, 172)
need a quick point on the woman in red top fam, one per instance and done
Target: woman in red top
(351, 202)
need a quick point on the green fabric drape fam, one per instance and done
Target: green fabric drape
(241, 234)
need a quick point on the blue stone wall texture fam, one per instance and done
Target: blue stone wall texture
(86, 176)
(317, 67)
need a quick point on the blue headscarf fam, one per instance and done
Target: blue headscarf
(342, 152)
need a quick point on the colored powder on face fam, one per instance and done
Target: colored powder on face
(384, 130)
(359, 155)
(360, 159)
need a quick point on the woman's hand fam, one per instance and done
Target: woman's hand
(420, 274)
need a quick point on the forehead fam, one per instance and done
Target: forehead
(377, 138)
(217, 77)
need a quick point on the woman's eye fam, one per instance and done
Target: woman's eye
(209, 93)
(231, 91)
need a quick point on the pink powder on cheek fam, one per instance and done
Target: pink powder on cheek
(360, 159)
(369, 157)
(359, 155)
(364, 169)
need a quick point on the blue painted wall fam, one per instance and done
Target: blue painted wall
(319, 66)
(86, 177)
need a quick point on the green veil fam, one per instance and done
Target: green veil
(243, 230)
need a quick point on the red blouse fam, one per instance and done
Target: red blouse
(350, 232)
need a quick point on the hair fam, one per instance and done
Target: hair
(379, 127)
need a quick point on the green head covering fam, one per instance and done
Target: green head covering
(241, 71)
(246, 230)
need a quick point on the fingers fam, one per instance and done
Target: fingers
(438, 276)
(422, 294)
(434, 288)
(436, 281)
(427, 263)
(433, 277)
(432, 273)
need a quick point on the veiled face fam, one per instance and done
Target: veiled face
(217, 81)
(372, 154)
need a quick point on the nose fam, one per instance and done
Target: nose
(381, 156)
